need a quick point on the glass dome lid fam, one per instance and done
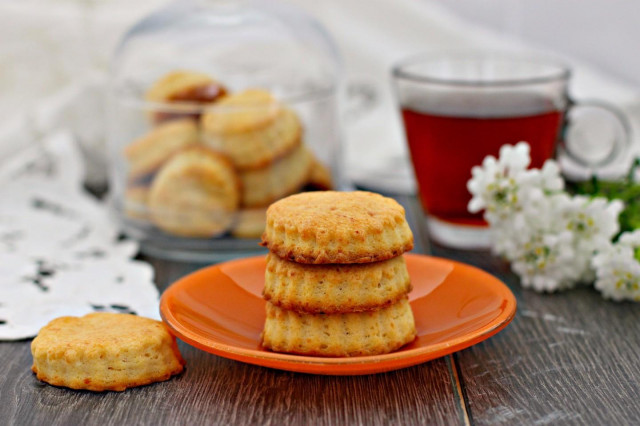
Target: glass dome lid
(244, 43)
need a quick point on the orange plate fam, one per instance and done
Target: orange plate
(219, 309)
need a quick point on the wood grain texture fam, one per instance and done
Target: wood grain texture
(214, 390)
(569, 358)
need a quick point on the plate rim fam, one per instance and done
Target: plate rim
(369, 363)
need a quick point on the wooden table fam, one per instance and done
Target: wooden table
(568, 358)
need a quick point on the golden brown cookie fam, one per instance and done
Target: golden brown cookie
(195, 194)
(255, 148)
(184, 87)
(250, 223)
(241, 112)
(104, 351)
(261, 187)
(338, 335)
(337, 227)
(148, 153)
(335, 288)
(135, 202)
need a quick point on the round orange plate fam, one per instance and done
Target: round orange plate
(219, 309)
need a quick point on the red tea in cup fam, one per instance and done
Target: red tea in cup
(445, 143)
(459, 108)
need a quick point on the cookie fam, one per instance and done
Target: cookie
(184, 87)
(195, 194)
(337, 227)
(148, 153)
(242, 112)
(339, 335)
(263, 186)
(104, 351)
(249, 223)
(257, 147)
(335, 288)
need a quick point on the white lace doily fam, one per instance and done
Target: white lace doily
(60, 252)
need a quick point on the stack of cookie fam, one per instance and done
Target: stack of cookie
(336, 282)
(203, 172)
(263, 139)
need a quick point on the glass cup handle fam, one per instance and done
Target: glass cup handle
(585, 121)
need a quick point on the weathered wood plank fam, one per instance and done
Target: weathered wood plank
(422, 394)
(215, 390)
(568, 358)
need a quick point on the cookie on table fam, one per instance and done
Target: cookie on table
(338, 335)
(249, 223)
(335, 288)
(148, 153)
(105, 351)
(337, 227)
(185, 87)
(261, 187)
(195, 194)
(252, 128)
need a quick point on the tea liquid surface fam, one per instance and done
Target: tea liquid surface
(448, 138)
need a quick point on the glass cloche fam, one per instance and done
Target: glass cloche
(218, 108)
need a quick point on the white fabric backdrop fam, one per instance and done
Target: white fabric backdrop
(52, 52)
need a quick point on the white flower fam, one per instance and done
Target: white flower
(503, 187)
(516, 158)
(548, 236)
(495, 185)
(594, 221)
(546, 262)
(540, 248)
(618, 269)
(548, 178)
(553, 240)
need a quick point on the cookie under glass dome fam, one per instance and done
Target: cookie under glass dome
(218, 108)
